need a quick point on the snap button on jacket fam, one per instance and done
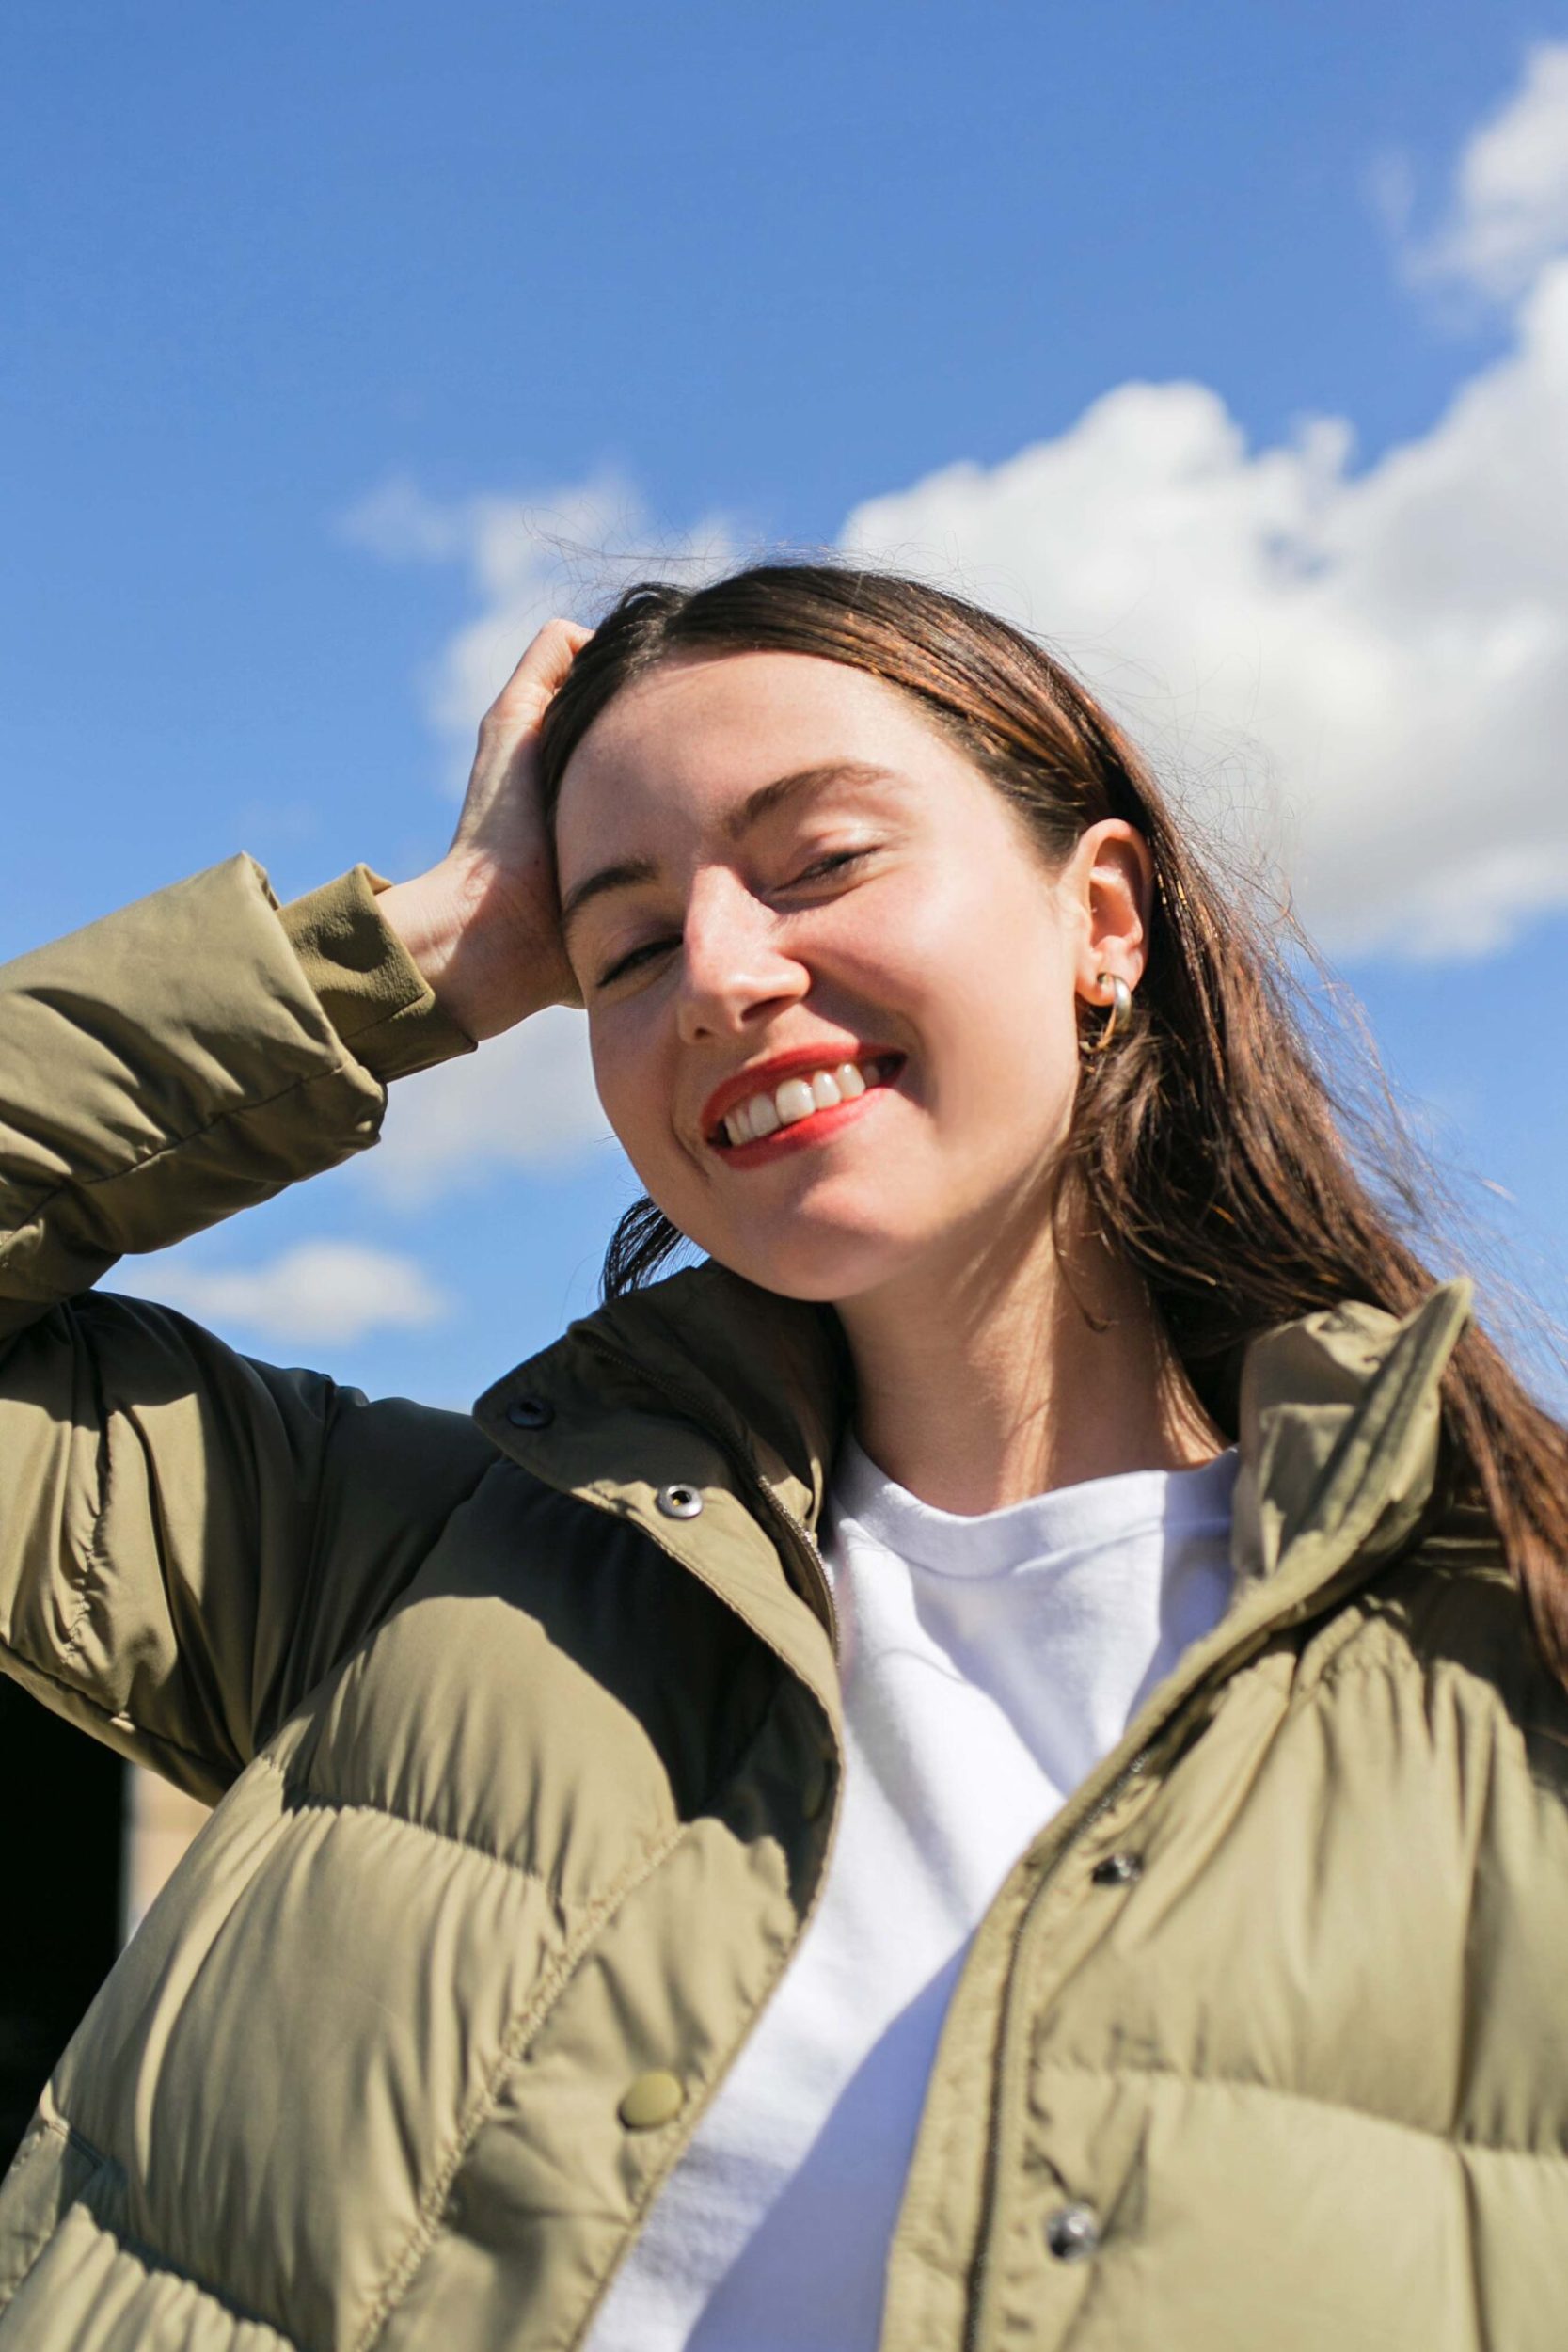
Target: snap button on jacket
(655, 2098)
(525, 1784)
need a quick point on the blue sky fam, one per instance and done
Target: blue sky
(342, 342)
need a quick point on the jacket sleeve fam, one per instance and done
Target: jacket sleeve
(167, 1578)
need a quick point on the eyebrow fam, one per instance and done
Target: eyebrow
(763, 803)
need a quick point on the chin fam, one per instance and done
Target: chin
(821, 1269)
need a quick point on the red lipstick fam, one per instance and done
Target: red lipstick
(761, 1077)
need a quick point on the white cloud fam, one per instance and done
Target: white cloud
(567, 550)
(317, 1291)
(1387, 649)
(525, 1100)
(400, 524)
(1509, 209)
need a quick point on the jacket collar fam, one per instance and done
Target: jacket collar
(1340, 1417)
(765, 1376)
(1339, 1434)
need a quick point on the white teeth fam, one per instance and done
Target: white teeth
(793, 1102)
(765, 1114)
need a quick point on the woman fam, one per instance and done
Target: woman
(1061, 1481)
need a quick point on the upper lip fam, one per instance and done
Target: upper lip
(761, 1077)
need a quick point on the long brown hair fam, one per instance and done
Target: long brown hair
(1212, 1141)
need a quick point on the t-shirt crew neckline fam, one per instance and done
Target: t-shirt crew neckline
(1067, 1519)
(1063, 1521)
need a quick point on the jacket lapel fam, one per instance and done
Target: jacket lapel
(705, 1382)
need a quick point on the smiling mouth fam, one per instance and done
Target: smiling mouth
(803, 1095)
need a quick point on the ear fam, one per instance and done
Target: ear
(1110, 879)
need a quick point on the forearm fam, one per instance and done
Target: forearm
(161, 1513)
(187, 1056)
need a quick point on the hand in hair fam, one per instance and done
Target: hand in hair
(482, 925)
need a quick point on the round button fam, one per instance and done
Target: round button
(679, 1502)
(1072, 2233)
(1117, 1869)
(655, 2098)
(529, 1412)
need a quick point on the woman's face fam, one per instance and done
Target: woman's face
(774, 871)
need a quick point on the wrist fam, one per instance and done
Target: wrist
(422, 914)
(474, 945)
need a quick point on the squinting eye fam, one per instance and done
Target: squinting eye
(638, 955)
(830, 864)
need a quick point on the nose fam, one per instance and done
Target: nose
(735, 970)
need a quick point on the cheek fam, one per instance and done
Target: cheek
(635, 1087)
(990, 985)
(628, 1086)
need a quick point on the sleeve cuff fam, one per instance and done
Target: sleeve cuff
(370, 989)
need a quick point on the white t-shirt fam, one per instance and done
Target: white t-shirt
(988, 1664)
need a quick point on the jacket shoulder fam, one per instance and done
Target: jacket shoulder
(1449, 1607)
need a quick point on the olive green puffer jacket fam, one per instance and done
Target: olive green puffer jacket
(523, 1731)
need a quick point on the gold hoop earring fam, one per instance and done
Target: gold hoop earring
(1120, 1015)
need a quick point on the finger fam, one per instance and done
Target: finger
(541, 670)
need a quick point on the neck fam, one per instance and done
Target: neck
(982, 1383)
